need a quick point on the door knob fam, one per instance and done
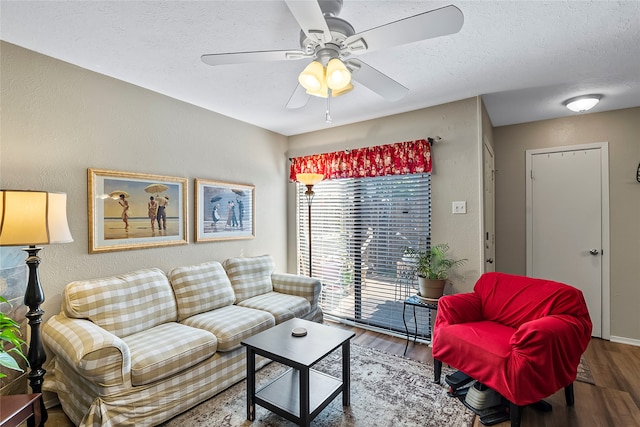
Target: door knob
(594, 252)
(490, 260)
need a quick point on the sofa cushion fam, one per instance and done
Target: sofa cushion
(281, 306)
(232, 324)
(124, 304)
(164, 350)
(200, 288)
(250, 276)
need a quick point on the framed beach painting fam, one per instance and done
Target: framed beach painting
(129, 210)
(224, 211)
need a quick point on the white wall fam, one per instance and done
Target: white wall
(456, 171)
(58, 120)
(620, 129)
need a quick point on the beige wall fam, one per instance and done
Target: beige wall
(621, 129)
(58, 120)
(456, 171)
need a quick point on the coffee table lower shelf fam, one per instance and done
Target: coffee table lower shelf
(282, 395)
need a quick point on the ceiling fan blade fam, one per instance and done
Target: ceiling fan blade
(311, 20)
(299, 98)
(427, 25)
(257, 56)
(378, 82)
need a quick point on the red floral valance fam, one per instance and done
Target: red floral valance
(401, 158)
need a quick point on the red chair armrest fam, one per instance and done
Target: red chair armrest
(459, 308)
(563, 337)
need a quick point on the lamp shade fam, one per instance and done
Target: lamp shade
(33, 218)
(338, 77)
(309, 178)
(312, 77)
(580, 104)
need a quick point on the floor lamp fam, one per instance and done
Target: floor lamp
(309, 179)
(34, 218)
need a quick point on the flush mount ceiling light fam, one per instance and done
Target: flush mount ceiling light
(583, 103)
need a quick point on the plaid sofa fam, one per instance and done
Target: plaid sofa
(142, 347)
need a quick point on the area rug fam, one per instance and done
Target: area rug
(584, 372)
(386, 390)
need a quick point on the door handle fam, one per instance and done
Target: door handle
(489, 260)
(594, 252)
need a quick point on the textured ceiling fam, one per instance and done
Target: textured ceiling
(524, 57)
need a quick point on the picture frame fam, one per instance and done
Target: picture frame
(224, 211)
(120, 210)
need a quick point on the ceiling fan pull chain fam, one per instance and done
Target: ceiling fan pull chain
(327, 114)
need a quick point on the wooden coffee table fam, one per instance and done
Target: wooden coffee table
(301, 393)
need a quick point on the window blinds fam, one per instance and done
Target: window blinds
(360, 230)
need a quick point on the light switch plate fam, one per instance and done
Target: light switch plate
(459, 207)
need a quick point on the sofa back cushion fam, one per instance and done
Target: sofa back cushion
(200, 288)
(513, 300)
(250, 276)
(124, 304)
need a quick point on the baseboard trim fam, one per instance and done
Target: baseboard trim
(50, 399)
(623, 340)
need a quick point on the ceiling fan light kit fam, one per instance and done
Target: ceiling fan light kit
(331, 42)
(580, 104)
(317, 79)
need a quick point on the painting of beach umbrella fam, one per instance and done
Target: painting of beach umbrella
(155, 188)
(238, 192)
(216, 199)
(116, 194)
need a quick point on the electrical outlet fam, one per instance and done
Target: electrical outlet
(459, 207)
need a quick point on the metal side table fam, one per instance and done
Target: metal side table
(414, 302)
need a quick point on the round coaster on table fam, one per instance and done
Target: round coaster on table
(298, 332)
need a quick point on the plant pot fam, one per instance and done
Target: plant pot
(431, 288)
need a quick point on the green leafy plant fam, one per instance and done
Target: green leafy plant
(434, 263)
(9, 335)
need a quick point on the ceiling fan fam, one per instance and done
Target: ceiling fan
(332, 44)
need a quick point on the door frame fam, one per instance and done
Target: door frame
(604, 181)
(488, 148)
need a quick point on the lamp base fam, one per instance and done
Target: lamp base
(33, 297)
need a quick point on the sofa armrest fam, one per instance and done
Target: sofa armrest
(301, 286)
(459, 308)
(94, 353)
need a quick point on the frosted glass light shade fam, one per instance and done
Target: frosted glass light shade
(338, 92)
(322, 91)
(309, 178)
(312, 77)
(583, 103)
(338, 77)
(33, 218)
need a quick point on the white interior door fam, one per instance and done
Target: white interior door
(489, 209)
(566, 222)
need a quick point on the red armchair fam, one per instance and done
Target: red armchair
(520, 336)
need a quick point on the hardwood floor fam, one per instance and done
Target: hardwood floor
(614, 400)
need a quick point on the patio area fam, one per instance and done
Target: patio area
(379, 302)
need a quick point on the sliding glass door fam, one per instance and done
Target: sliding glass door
(362, 231)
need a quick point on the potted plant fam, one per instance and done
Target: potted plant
(433, 270)
(9, 332)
